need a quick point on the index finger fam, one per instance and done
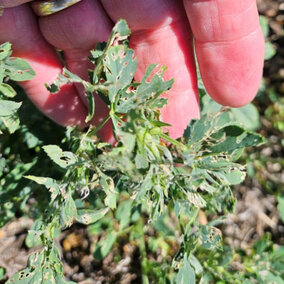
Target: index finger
(12, 3)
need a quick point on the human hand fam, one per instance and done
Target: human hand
(228, 40)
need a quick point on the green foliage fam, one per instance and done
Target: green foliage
(270, 49)
(281, 207)
(275, 113)
(17, 70)
(146, 181)
(42, 268)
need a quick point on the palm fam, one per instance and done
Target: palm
(229, 47)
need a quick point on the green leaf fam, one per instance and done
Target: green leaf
(73, 78)
(7, 90)
(68, 212)
(12, 123)
(194, 262)
(248, 116)
(63, 159)
(99, 50)
(199, 130)
(210, 237)
(33, 238)
(18, 69)
(91, 105)
(121, 30)
(235, 137)
(141, 162)
(266, 276)
(49, 183)
(8, 108)
(127, 139)
(88, 216)
(162, 227)
(104, 246)
(146, 185)
(186, 274)
(2, 74)
(270, 51)
(264, 25)
(146, 92)
(277, 259)
(15, 176)
(123, 213)
(226, 256)
(281, 207)
(2, 272)
(5, 50)
(40, 271)
(156, 86)
(120, 67)
(196, 199)
(231, 176)
(107, 184)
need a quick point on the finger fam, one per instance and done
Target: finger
(65, 107)
(161, 34)
(12, 3)
(76, 31)
(229, 47)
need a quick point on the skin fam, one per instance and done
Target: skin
(228, 41)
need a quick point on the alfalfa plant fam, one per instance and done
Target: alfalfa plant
(144, 178)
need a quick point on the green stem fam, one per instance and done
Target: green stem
(171, 140)
(142, 248)
(93, 132)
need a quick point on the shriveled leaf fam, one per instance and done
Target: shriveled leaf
(61, 158)
(210, 237)
(121, 30)
(145, 93)
(120, 67)
(40, 272)
(88, 216)
(196, 199)
(235, 137)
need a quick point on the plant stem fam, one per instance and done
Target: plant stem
(93, 132)
(142, 248)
